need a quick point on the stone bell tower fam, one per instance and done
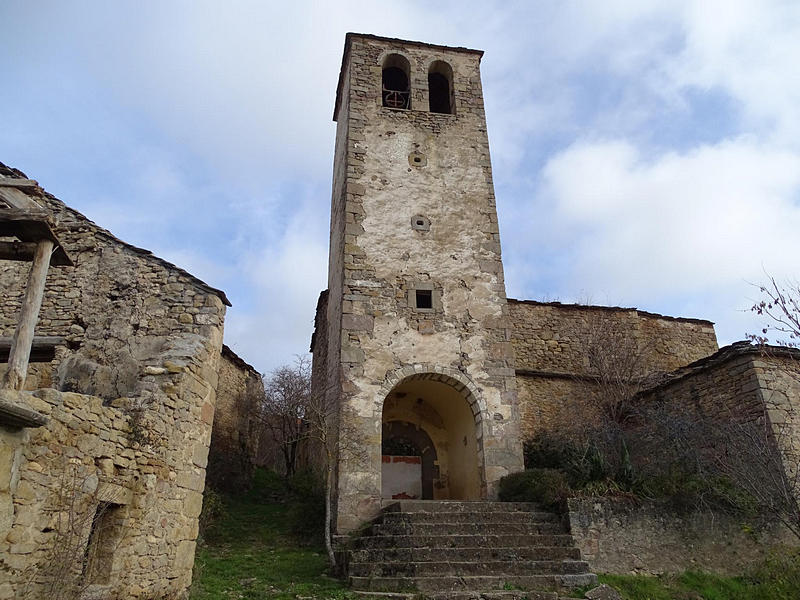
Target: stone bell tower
(412, 340)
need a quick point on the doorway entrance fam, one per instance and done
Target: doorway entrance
(430, 442)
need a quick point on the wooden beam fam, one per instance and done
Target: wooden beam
(17, 250)
(23, 337)
(32, 226)
(17, 416)
(18, 183)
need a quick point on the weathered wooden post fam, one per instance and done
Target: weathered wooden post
(23, 337)
(37, 243)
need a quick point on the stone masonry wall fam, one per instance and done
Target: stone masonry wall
(142, 338)
(236, 433)
(553, 342)
(778, 374)
(618, 536)
(90, 452)
(384, 259)
(552, 337)
(723, 385)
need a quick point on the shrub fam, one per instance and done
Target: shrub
(548, 487)
(306, 497)
(213, 509)
(581, 463)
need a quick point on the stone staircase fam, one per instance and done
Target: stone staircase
(449, 550)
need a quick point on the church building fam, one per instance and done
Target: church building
(436, 375)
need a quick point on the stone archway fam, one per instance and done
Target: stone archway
(445, 406)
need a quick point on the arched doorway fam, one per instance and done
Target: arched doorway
(433, 418)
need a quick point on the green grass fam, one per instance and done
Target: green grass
(249, 553)
(777, 580)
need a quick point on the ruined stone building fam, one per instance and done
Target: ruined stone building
(437, 375)
(103, 447)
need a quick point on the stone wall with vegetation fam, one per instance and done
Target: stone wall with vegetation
(237, 424)
(557, 345)
(740, 409)
(625, 537)
(130, 398)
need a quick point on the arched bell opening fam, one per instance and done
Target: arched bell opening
(396, 82)
(430, 441)
(440, 88)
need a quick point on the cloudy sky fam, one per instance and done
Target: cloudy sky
(645, 153)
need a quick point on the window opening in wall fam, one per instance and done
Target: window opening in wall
(104, 537)
(424, 298)
(440, 88)
(396, 90)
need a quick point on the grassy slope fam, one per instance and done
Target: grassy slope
(250, 554)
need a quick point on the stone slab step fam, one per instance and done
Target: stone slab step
(401, 528)
(458, 506)
(471, 583)
(519, 516)
(462, 541)
(477, 553)
(464, 595)
(495, 595)
(467, 567)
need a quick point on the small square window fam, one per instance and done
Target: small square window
(424, 298)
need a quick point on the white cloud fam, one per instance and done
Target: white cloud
(284, 277)
(749, 49)
(662, 229)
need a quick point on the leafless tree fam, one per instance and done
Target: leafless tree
(332, 437)
(596, 417)
(301, 422)
(619, 364)
(283, 413)
(780, 306)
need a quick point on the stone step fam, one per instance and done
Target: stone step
(495, 595)
(423, 529)
(471, 583)
(462, 595)
(467, 567)
(477, 553)
(412, 506)
(462, 541)
(520, 516)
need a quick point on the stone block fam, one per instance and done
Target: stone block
(357, 322)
